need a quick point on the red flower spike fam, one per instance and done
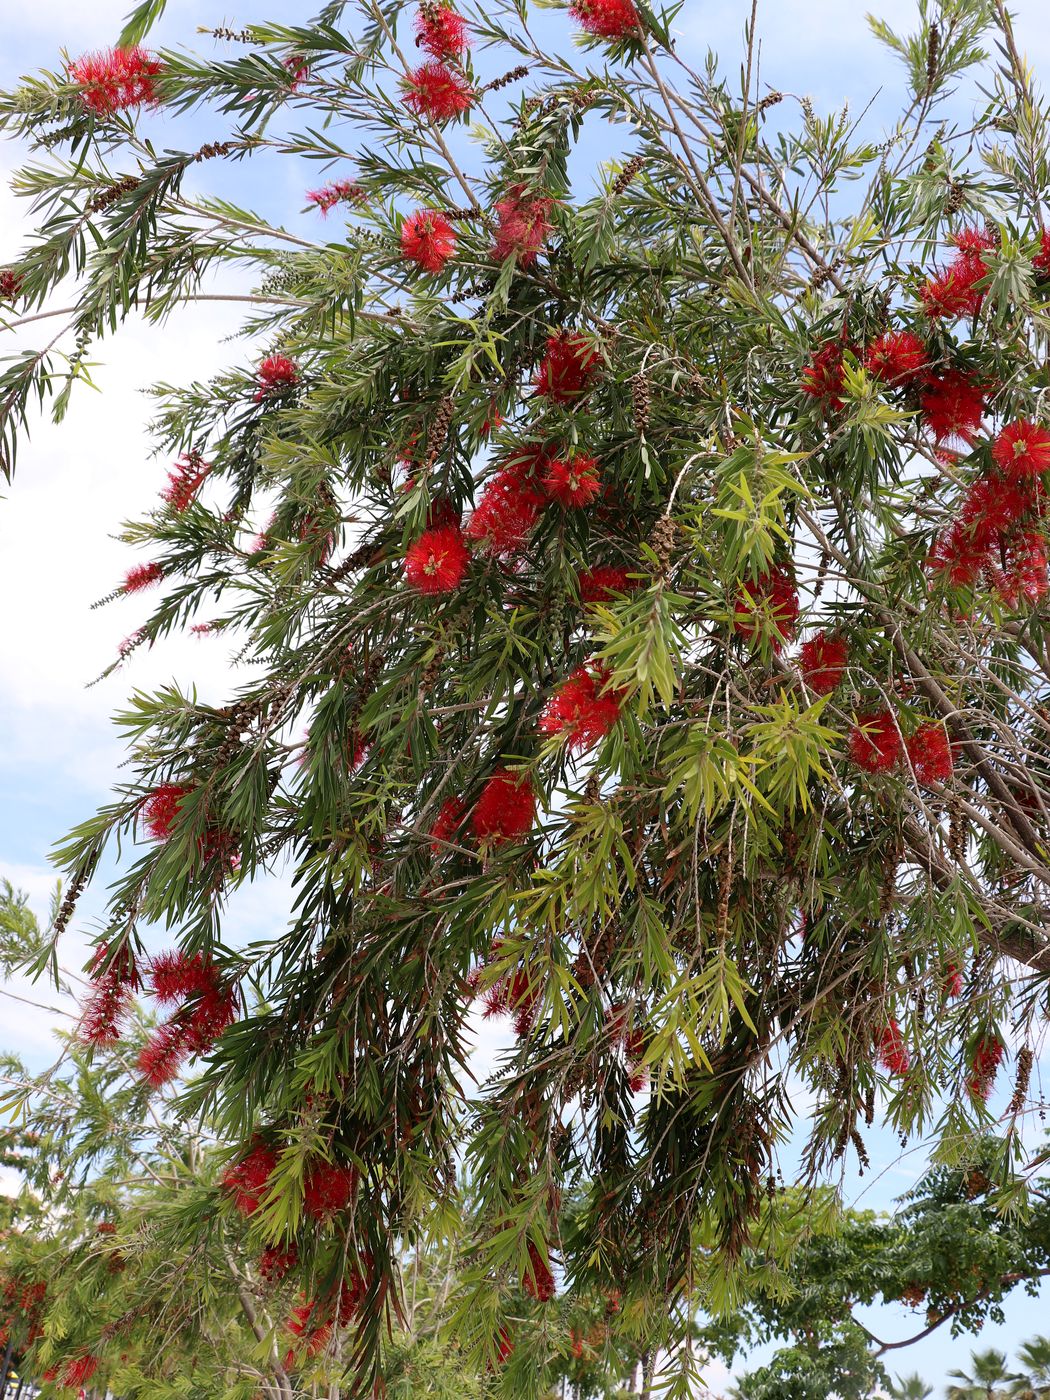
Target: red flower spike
(185, 481)
(892, 1051)
(984, 1066)
(437, 93)
(930, 754)
(328, 1189)
(823, 660)
(573, 482)
(104, 1011)
(510, 504)
(953, 980)
(10, 284)
(824, 378)
(212, 1015)
(440, 31)
(875, 742)
(79, 1371)
(1022, 450)
(1025, 578)
(953, 407)
(116, 80)
(437, 561)
(606, 19)
(276, 1263)
(336, 192)
(163, 1055)
(277, 373)
(176, 977)
(600, 585)
(161, 808)
(538, 1282)
(951, 293)
(428, 239)
(897, 358)
(568, 369)
(504, 1347)
(506, 808)
(140, 577)
(249, 1180)
(447, 826)
(523, 228)
(582, 709)
(992, 506)
(772, 595)
(1041, 261)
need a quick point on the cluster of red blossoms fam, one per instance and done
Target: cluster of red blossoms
(185, 481)
(436, 92)
(511, 995)
(428, 239)
(207, 1006)
(523, 227)
(772, 597)
(10, 284)
(20, 1303)
(79, 1371)
(984, 1066)
(538, 1282)
(116, 79)
(992, 536)
(160, 810)
(440, 31)
(276, 374)
(583, 709)
(633, 1043)
(953, 292)
(601, 585)
(112, 990)
(875, 744)
(568, 368)
(606, 19)
(336, 192)
(140, 577)
(437, 561)
(312, 1321)
(823, 659)
(892, 1050)
(328, 1189)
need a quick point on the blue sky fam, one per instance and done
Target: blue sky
(76, 483)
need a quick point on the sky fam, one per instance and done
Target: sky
(77, 482)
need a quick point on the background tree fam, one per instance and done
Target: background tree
(541, 475)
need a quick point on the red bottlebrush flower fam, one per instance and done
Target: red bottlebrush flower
(973, 242)
(161, 808)
(984, 1066)
(336, 192)
(953, 406)
(446, 827)
(437, 93)
(896, 358)
(823, 660)
(576, 1343)
(1022, 450)
(930, 754)
(277, 373)
(992, 506)
(51, 1374)
(573, 481)
(427, 238)
(212, 1015)
(297, 69)
(441, 31)
(1024, 578)
(953, 980)
(104, 1011)
(506, 808)
(958, 555)
(892, 1051)
(10, 284)
(504, 1347)
(773, 596)
(952, 293)
(538, 1282)
(116, 80)
(875, 742)
(163, 1055)
(276, 1263)
(185, 481)
(1041, 261)
(582, 709)
(824, 378)
(510, 503)
(79, 1371)
(300, 1318)
(176, 977)
(523, 228)
(606, 19)
(634, 1053)
(568, 369)
(601, 584)
(249, 1179)
(140, 577)
(106, 1227)
(437, 561)
(328, 1189)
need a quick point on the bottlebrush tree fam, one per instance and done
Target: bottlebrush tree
(654, 555)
